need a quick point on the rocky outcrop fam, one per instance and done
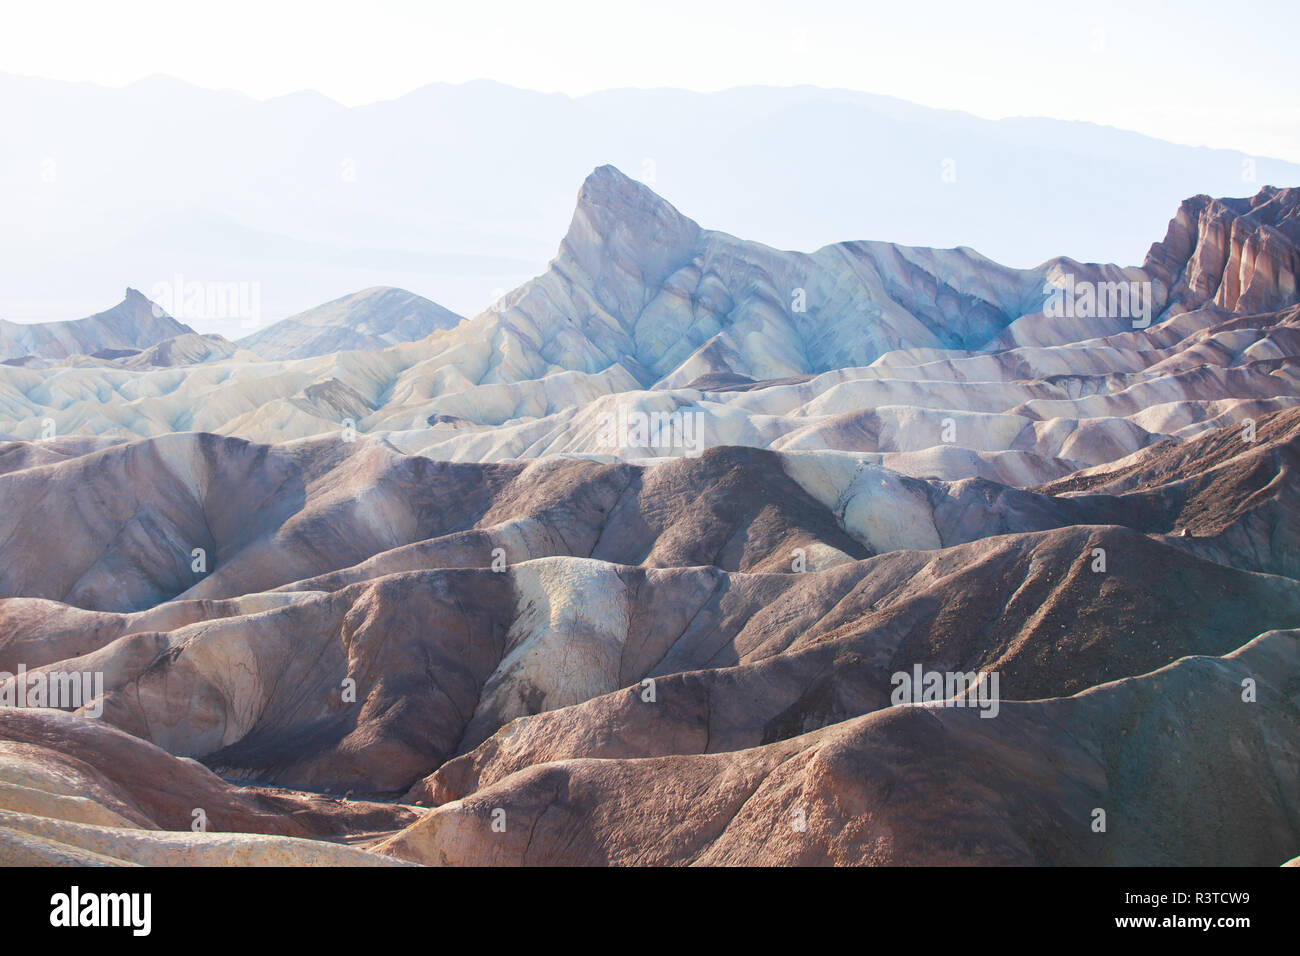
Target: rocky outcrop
(134, 323)
(1242, 255)
(638, 284)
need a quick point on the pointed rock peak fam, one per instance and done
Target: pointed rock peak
(137, 299)
(134, 303)
(605, 181)
(607, 195)
(614, 206)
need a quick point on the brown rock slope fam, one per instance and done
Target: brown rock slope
(372, 677)
(79, 791)
(1230, 496)
(129, 517)
(322, 514)
(921, 785)
(1029, 608)
(439, 660)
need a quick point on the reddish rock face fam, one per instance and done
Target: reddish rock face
(1242, 255)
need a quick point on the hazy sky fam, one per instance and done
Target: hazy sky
(1200, 72)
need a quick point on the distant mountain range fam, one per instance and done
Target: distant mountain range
(445, 191)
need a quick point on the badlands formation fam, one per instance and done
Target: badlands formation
(630, 568)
